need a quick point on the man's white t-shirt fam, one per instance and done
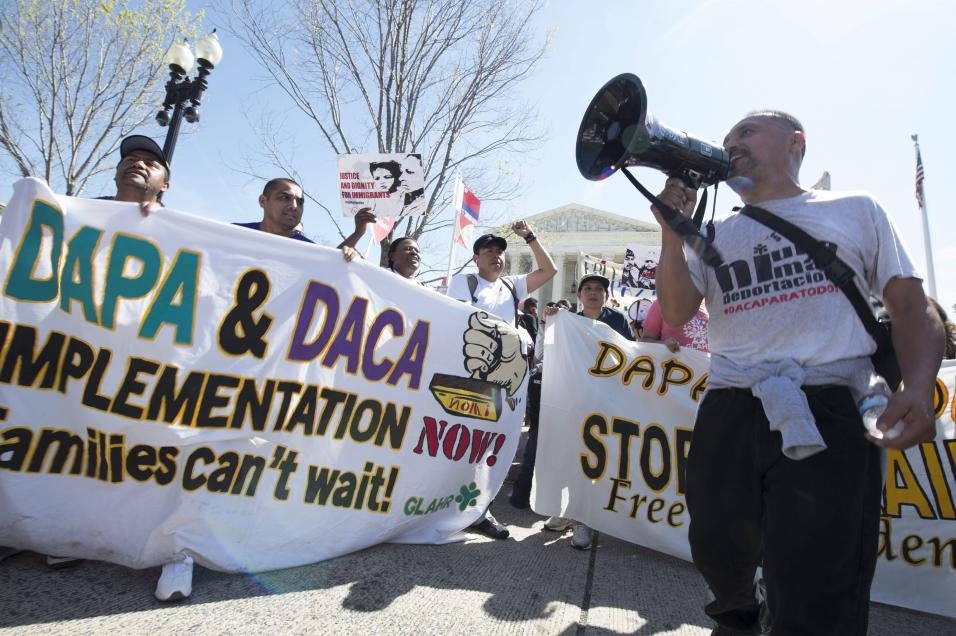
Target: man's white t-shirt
(769, 302)
(493, 297)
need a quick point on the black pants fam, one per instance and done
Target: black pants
(813, 523)
(521, 490)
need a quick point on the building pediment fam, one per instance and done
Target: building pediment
(567, 233)
(577, 218)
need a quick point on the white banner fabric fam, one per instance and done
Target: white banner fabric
(173, 384)
(617, 421)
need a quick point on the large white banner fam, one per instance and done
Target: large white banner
(617, 421)
(917, 557)
(170, 383)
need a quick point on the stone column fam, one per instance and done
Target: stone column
(558, 280)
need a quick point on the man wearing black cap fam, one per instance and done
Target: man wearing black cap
(593, 292)
(142, 175)
(499, 296)
(496, 294)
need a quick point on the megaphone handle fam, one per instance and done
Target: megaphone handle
(682, 225)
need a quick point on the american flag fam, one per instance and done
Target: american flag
(919, 178)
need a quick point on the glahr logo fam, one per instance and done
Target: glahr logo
(466, 498)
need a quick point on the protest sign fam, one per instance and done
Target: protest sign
(917, 556)
(173, 384)
(640, 267)
(392, 186)
(617, 427)
(587, 411)
(635, 279)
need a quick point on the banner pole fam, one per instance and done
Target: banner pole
(368, 248)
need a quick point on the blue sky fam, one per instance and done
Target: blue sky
(862, 77)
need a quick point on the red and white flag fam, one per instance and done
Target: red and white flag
(467, 206)
(381, 228)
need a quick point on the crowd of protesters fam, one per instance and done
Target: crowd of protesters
(765, 150)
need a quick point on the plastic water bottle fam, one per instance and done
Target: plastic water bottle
(871, 400)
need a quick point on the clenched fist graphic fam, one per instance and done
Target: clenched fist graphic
(493, 352)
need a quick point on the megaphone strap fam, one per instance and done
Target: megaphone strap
(711, 231)
(701, 209)
(682, 225)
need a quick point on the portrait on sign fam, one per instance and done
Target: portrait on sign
(640, 267)
(390, 185)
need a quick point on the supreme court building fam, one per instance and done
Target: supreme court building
(573, 229)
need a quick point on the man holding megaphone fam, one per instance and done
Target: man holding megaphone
(780, 473)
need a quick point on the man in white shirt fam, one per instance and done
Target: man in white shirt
(495, 293)
(499, 296)
(785, 347)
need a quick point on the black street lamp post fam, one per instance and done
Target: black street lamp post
(180, 89)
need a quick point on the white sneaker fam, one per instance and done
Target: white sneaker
(176, 581)
(558, 524)
(58, 563)
(582, 537)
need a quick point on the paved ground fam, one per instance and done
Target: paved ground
(533, 583)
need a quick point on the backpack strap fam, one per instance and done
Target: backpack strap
(472, 286)
(514, 296)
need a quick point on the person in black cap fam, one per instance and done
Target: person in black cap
(496, 294)
(142, 175)
(499, 296)
(593, 293)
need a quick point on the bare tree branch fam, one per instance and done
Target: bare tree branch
(76, 76)
(436, 77)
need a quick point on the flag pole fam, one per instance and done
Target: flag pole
(368, 248)
(454, 230)
(921, 199)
